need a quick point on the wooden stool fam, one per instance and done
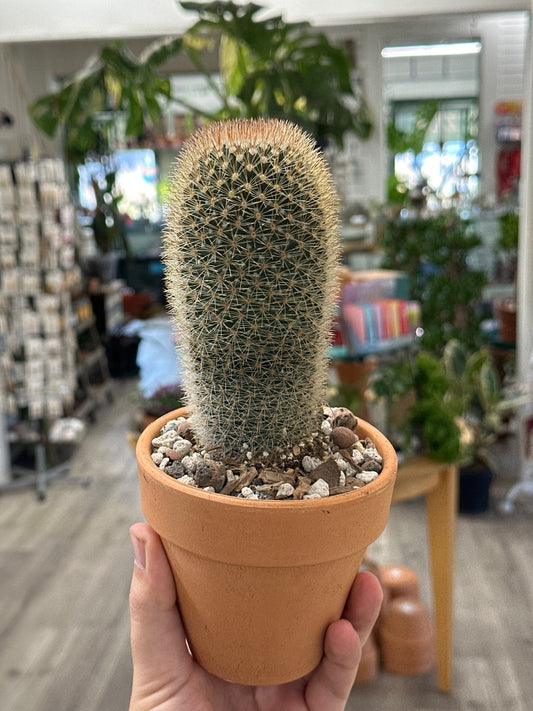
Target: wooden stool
(419, 476)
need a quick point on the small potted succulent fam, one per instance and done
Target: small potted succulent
(265, 498)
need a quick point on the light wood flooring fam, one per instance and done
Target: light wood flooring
(65, 566)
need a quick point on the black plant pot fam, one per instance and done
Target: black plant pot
(474, 488)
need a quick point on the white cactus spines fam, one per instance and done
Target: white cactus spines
(251, 251)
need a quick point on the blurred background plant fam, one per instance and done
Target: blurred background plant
(273, 68)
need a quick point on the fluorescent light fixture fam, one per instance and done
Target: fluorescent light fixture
(431, 50)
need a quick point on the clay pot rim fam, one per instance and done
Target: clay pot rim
(365, 429)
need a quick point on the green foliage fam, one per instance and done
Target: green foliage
(399, 141)
(115, 80)
(272, 68)
(431, 421)
(433, 253)
(251, 252)
(457, 408)
(475, 383)
(509, 223)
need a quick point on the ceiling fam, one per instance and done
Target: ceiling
(35, 20)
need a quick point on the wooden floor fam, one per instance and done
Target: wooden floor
(65, 566)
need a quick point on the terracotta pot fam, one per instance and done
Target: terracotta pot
(406, 637)
(399, 581)
(259, 582)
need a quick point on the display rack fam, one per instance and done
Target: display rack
(39, 364)
(375, 316)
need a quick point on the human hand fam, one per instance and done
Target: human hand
(167, 678)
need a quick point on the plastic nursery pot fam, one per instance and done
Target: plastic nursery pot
(258, 582)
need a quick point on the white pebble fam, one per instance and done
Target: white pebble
(247, 493)
(318, 490)
(230, 475)
(342, 478)
(357, 456)
(163, 463)
(326, 427)
(285, 490)
(210, 489)
(367, 476)
(190, 462)
(171, 425)
(186, 479)
(165, 440)
(310, 463)
(372, 453)
(182, 447)
(341, 462)
(157, 458)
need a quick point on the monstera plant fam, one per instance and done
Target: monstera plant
(273, 68)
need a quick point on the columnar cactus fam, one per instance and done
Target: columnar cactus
(251, 251)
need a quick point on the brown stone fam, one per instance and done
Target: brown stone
(304, 484)
(328, 471)
(172, 454)
(343, 437)
(342, 417)
(246, 478)
(210, 473)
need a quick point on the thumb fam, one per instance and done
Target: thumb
(159, 651)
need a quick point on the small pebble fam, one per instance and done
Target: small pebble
(310, 463)
(172, 425)
(367, 476)
(175, 469)
(343, 437)
(284, 491)
(371, 453)
(248, 493)
(186, 479)
(167, 439)
(157, 457)
(342, 417)
(318, 490)
(326, 427)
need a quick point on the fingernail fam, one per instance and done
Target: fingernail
(139, 552)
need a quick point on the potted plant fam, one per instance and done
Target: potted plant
(456, 412)
(475, 384)
(272, 68)
(251, 256)
(434, 252)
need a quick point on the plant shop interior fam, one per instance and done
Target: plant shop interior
(424, 113)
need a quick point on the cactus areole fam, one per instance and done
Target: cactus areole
(251, 253)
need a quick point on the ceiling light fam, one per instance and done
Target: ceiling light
(431, 50)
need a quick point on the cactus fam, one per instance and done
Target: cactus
(251, 253)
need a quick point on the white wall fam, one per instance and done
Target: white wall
(34, 20)
(28, 70)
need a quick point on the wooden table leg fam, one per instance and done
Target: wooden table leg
(441, 505)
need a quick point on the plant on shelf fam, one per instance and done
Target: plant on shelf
(434, 253)
(455, 413)
(273, 68)
(248, 474)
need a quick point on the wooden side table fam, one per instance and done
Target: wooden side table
(421, 476)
